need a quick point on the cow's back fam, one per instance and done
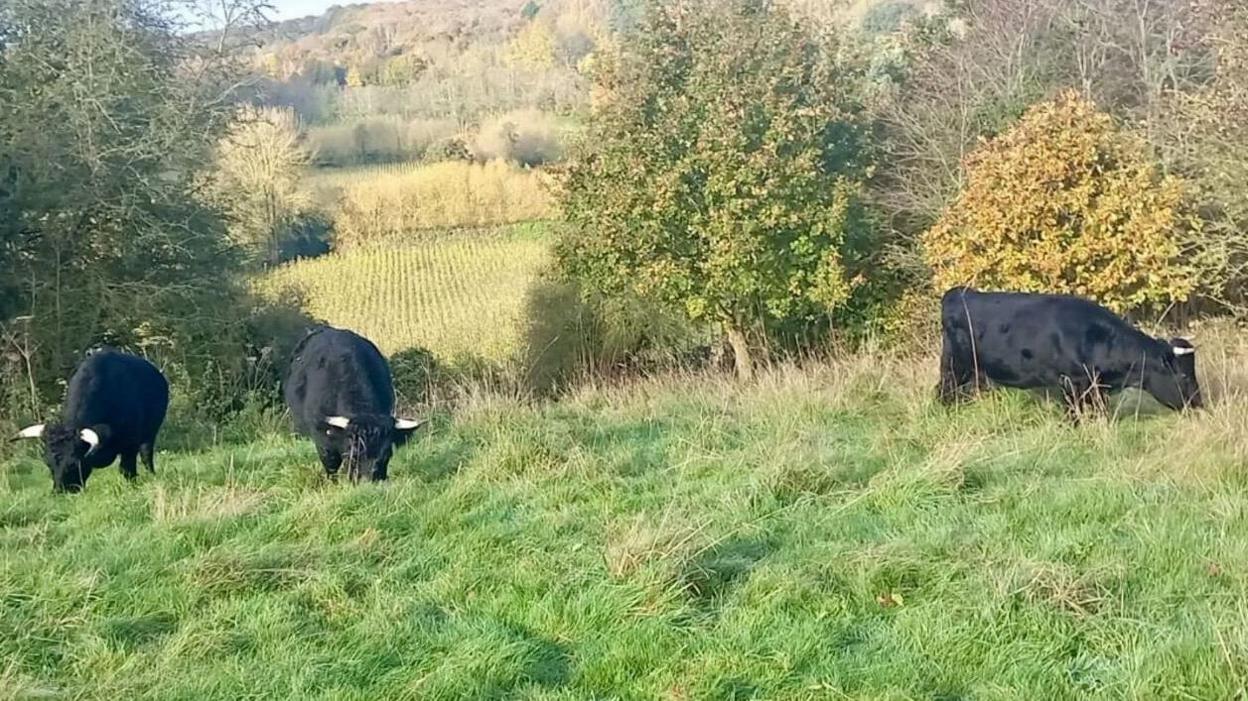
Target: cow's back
(337, 373)
(121, 390)
(1025, 339)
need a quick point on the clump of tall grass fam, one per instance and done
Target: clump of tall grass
(442, 195)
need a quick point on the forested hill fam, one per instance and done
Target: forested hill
(460, 58)
(429, 58)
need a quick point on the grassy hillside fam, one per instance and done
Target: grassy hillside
(826, 533)
(456, 293)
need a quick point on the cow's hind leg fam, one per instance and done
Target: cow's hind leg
(129, 465)
(331, 459)
(147, 452)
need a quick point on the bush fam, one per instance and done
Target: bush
(555, 341)
(451, 148)
(568, 333)
(417, 376)
(527, 137)
(1067, 202)
(307, 236)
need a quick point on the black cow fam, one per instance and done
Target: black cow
(1033, 341)
(115, 406)
(340, 394)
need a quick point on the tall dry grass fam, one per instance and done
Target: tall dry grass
(1192, 447)
(403, 200)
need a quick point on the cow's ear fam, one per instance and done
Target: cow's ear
(29, 432)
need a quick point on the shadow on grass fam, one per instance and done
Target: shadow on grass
(549, 662)
(134, 632)
(636, 447)
(736, 689)
(712, 575)
(438, 460)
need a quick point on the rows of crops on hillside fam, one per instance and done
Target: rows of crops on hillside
(457, 294)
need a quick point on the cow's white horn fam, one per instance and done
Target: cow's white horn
(339, 421)
(90, 437)
(407, 424)
(1183, 351)
(31, 431)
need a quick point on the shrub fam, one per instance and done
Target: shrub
(417, 376)
(451, 148)
(307, 236)
(1066, 202)
(527, 137)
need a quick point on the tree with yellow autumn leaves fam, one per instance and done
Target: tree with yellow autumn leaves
(1067, 201)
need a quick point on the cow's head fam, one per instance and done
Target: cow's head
(1171, 379)
(367, 441)
(66, 450)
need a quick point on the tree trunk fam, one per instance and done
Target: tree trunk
(740, 350)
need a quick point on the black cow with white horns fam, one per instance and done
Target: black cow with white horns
(341, 395)
(115, 406)
(1031, 341)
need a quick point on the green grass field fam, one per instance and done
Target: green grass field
(455, 293)
(825, 533)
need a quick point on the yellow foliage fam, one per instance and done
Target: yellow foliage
(533, 47)
(458, 294)
(1066, 202)
(355, 79)
(396, 201)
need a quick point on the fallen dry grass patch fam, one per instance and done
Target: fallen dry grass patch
(171, 506)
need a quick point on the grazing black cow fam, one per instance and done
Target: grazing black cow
(1033, 341)
(115, 406)
(340, 394)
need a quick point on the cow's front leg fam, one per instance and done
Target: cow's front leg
(1083, 398)
(379, 471)
(331, 459)
(129, 465)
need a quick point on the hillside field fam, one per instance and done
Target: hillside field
(824, 533)
(456, 292)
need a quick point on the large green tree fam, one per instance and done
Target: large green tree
(109, 110)
(721, 170)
